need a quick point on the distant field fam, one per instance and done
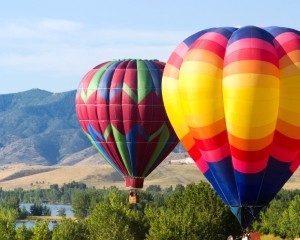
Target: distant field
(101, 175)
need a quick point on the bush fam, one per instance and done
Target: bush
(70, 230)
(194, 213)
(40, 210)
(114, 219)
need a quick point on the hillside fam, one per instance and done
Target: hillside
(39, 127)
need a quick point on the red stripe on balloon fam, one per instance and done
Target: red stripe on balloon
(251, 54)
(210, 46)
(212, 143)
(250, 156)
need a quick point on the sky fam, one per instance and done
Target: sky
(51, 44)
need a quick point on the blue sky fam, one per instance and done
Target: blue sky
(51, 44)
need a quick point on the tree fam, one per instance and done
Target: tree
(289, 224)
(195, 213)
(41, 231)
(62, 212)
(7, 224)
(71, 230)
(80, 204)
(22, 233)
(113, 219)
(269, 218)
(40, 210)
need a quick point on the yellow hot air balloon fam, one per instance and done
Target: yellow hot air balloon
(233, 98)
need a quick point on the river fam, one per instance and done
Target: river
(54, 212)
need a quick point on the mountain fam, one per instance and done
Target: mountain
(40, 127)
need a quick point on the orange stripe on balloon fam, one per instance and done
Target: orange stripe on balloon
(171, 71)
(251, 66)
(250, 144)
(188, 141)
(210, 130)
(204, 56)
(289, 59)
(287, 129)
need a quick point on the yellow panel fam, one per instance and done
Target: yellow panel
(250, 93)
(251, 104)
(200, 87)
(250, 132)
(251, 113)
(289, 116)
(250, 80)
(173, 106)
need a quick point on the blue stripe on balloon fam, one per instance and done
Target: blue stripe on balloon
(95, 137)
(105, 81)
(275, 31)
(251, 32)
(225, 31)
(248, 186)
(191, 39)
(224, 177)
(275, 170)
(156, 75)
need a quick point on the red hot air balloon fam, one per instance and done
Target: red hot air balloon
(120, 109)
(233, 98)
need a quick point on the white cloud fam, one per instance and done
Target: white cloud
(62, 49)
(59, 25)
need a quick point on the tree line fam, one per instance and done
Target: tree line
(191, 212)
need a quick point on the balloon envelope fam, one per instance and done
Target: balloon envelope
(120, 109)
(233, 98)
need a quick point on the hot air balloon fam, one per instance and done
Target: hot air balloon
(233, 98)
(120, 109)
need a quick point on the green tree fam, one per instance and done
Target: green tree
(62, 212)
(195, 213)
(269, 219)
(22, 233)
(71, 230)
(41, 231)
(7, 224)
(80, 204)
(289, 224)
(114, 219)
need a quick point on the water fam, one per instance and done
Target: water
(54, 212)
(53, 207)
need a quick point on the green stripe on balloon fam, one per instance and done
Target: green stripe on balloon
(144, 84)
(163, 140)
(95, 145)
(130, 93)
(93, 85)
(122, 147)
(107, 131)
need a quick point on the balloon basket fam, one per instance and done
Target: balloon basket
(133, 197)
(134, 182)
